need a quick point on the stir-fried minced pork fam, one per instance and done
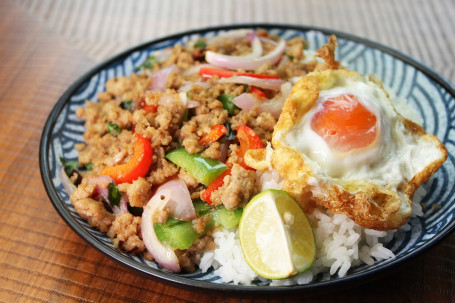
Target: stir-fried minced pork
(94, 212)
(168, 103)
(138, 192)
(125, 233)
(237, 189)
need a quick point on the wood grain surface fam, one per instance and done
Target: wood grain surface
(43, 260)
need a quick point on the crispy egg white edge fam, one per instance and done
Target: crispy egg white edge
(396, 156)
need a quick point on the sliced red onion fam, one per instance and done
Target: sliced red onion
(179, 203)
(251, 36)
(268, 40)
(246, 101)
(122, 208)
(273, 84)
(274, 106)
(188, 103)
(66, 182)
(244, 62)
(173, 195)
(163, 254)
(234, 62)
(102, 192)
(101, 180)
(159, 79)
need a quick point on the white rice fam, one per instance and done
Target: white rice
(341, 244)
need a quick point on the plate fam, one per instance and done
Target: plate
(431, 95)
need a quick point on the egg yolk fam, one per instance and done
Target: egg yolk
(344, 123)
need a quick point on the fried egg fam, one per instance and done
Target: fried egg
(340, 143)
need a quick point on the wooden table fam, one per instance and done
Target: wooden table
(42, 259)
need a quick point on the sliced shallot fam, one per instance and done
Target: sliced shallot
(159, 79)
(247, 101)
(163, 254)
(187, 102)
(66, 182)
(179, 204)
(101, 191)
(273, 84)
(175, 197)
(243, 62)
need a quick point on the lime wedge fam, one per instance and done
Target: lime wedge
(276, 237)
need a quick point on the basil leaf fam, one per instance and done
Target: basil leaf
(229, 133)
(305, 44)
(289, 56)
(148, 63)
(114, 194)
(185, 115)
(70, 166)
(228, 105)
(89, 166)
(113, 129)
(135, 211)
(200, 44)
(126, 104)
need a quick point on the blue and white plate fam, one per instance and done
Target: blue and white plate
(432, 96)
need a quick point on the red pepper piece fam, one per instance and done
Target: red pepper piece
(248, 140)
(208, 72)
(150, 108)
(137, 167)
(215, 133)
(217, 183)
(257, 92)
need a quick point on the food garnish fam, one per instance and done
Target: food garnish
(216, 132)
(205, 170)
(137, 167)
(113, 128)
(114, 195)
(148, 63)
(276, 236)
(228, 105)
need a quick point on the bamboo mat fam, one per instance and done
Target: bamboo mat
(46, 45)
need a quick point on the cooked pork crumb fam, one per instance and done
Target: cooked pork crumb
(200, 223)
(262, 124)
(237, 189)
(94, 212)
(213, 151)
(139, 192)
(185, 260)
(161, 169)
(189, 180)
(125, 233)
